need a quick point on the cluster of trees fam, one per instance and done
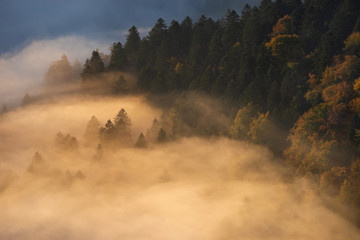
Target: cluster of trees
(288, 63)
(41, 167)
(62, 72)
(117, 133)
(123, 58)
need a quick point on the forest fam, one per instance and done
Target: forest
(283, 76)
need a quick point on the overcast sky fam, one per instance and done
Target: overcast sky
(24, 21)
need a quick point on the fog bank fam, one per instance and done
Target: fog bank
(191, 188)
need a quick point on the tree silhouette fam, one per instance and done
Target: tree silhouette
(38, 165)
(161, 138)
(118, 60)
(92, 130)
(141, 142)
(92, 67)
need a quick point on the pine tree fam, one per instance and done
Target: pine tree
(38, 165)
(92, 130)
(118, 60)
(132, 47)
(122, 121)
(92, 67)
(141, 142)
(161, 138)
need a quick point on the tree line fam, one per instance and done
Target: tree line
(287, 63)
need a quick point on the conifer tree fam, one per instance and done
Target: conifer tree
(93, 67)
(141, 142)
(118, 60)
(161, 138)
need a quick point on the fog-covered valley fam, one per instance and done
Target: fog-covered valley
(185, 188)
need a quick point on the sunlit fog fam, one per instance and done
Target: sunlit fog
(243, 127)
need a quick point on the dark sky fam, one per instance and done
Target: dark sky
(22, 21)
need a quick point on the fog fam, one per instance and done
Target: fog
(23, 71)
(185, 188)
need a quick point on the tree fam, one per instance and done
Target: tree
(352, 44)
(66, 142)
(203, 30)
(107, 133)
(117, 133)
(92, 130)
(232, 29)
(60, 72)
(132, 47)
(186, 27)
(241, 124)
(99, 152)
(259, 129)
(132, 44)
(141, 142)
(92, 68)
(118, 60)
(331, 180)
(350, 190)
(153, 132)
(161, 138)
(38, 165)
(283, 26)
(157, 34)
(285, 47)
(122, 121)
(120, 85)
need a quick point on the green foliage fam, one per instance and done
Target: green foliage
(296, 61)
(132, 44)
(92, 67)
(118, 60)
(259, 129)
(120, 85)
(241, 124)
(117, 134)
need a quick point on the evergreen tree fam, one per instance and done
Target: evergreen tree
(161, 138)
(157, 34)
(60, 72)
(122, 121)
(120, 86)
(132, 47)
(92, 130)
(38, 165)
(118, 60)
(141, 142)
(92, 67)
(186, 35)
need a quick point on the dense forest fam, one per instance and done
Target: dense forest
(287, 73)
(293, 64)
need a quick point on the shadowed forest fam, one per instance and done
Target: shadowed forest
(244, 127)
